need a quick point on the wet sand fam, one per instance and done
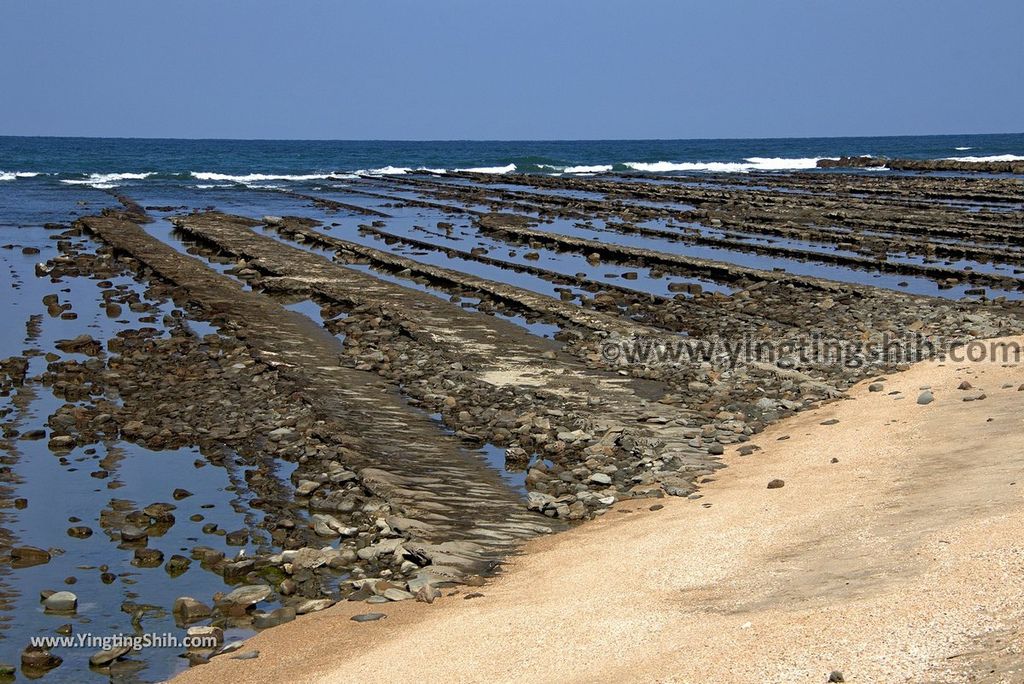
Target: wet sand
(900, 561)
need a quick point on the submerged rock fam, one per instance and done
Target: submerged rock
(102, 658)
(37, 658)
(25, 556)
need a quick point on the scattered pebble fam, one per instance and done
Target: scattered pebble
(367, 617)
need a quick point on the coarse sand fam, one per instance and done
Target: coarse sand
(894, 552)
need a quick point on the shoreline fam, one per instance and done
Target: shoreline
(863, 566)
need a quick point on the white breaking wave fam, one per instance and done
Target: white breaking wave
(599, 168)
(996, 158)
(256, 177)
(490, 169)
(11, 175)
(962, 149)
(749, 164)
(385, 171)
(105, 181)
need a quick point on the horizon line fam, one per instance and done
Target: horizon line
(506, 140)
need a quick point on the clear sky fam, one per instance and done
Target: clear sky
(519, 69)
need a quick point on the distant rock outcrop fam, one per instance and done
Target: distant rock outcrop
(1013, 166)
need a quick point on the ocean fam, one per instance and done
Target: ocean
(110, 162)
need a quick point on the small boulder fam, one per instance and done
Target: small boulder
(204, 636)
(25, 556)
(37, 658)
(104, 658)
(60, 602)
(188, 609)
(246, 596)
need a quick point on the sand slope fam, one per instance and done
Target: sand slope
(903, 561)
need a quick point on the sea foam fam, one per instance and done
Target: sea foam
(256, 177)
(748, 164)
(12, 175)
(996, 158)
(385, 171)
(105, 181)
(599, 168)
(490, 169)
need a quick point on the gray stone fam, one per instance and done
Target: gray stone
(248, 595)
(134, 534)
(925, 398)
(371, 552)
(313, 606)
(61, 602)
(231, 647)
(395, 594)
(367, 617)
(101, 658)
(427, 593)
(189, 609)
(274, 617)
(205, 633)
(327, 525)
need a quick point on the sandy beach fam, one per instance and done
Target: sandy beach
(892, 553)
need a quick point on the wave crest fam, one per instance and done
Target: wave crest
(12, 175)
(105, 181)
(994, 158)
(255, 177)
(598, 168)
(490, 169)
(748, 164)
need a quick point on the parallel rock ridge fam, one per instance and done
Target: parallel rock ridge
(1008, 166)
(424, 473)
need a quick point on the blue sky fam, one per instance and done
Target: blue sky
(528, 69)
